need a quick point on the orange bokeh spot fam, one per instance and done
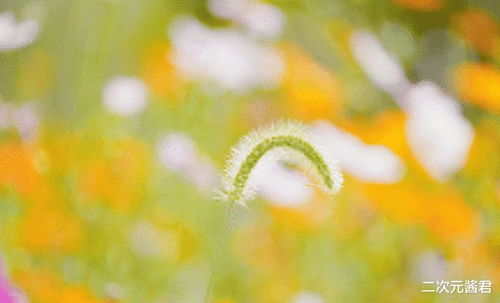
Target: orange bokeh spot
(40, 286)
(117, 180)
(479, 84)
(158, 72)
(478, 28)
(51, 229)
(78, 295)
(421, 5)
(311, 91)
(442, 211)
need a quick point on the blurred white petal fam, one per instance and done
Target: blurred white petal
(177, 152)
(284, 187)
(429, 266)
(125, 96)
(25, 119)
(369, 163)
(308, 297)
(225, 57)
(5, 113)
(380, 66)
(15, 35)
(259, 18)
(438, 133)
(145, 239)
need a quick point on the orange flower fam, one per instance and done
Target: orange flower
(17, 168)
(441, 210)
(421, 5)
(159, 74)
(78, 295)
(479, 84)
(478, 28)
(311, 91)
(40, 286)
(47, 228)
(117, 180)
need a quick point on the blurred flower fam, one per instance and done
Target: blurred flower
(17, 168)
(125, 96)
(146, 240)
(48, 228)
(78, 294)
(15, 35)
(443, 211)
(479, 84)
(380, 66)
(438, 133)
(8, 293)
(421, 5)
(430, 266)
(282, 186)
(311, 91)
(369, 163)
(158, 72)
(39, 285)
(479, 29)
(223, 56)
(177, 152)
(308, 297)
(118, 180)
(23, 118)
(260, 18)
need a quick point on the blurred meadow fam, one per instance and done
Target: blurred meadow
(116, 118)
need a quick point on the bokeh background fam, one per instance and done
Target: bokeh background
(116, 117)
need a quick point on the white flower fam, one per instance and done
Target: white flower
(23, 118)
(380, 66)
(284, 187)
(259, 18)
(369, 163)
(429, 266)
(308, 297)
(125, 96)
(223, 56)
(177, 152)
(16, 35)
(146, 240)
(438, 134)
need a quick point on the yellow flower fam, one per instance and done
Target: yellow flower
(479, 84)
(159, 74)
(311, 91)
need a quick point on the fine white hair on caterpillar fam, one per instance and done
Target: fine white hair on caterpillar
(286, 141)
